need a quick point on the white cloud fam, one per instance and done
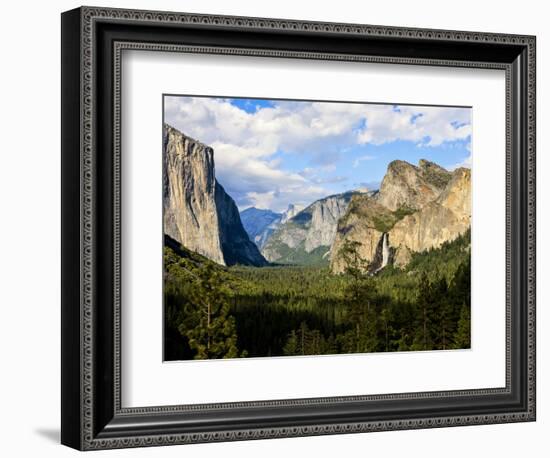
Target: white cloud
(306, 126)
(245, 143)
(278, 200)
(261, 199)
(241, 172)
(428, 126)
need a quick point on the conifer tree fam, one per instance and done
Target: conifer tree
(462, 336)
(213, 330)
(423, 339)
(291, 345)
(442, 322)
(385, 318)
(360, 296)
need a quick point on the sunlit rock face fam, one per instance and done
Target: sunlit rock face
(406, 185)
(365, 222)
(198, 213)
(418, 207)
(402, 256)
(312, 229)
(439, 221)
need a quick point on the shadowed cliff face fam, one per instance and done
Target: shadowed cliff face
(236, 246)
(198, 213)
(419, 208)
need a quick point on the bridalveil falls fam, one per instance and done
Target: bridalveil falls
(385, 251)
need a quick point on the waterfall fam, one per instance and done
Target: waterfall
(385, 251)
(382, 255)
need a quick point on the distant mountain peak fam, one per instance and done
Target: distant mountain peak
(259, 224)
(291, 212)
(307, 236)
(258, 211)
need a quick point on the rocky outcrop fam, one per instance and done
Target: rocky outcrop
(402, 256)
(408, 186)
(457, 195)
(311, 230)
(365, 222)
(417, 208)
(321, 219)
(198, 213)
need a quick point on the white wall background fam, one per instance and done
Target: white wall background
(30, 240)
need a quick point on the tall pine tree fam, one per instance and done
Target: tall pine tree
(209, 328)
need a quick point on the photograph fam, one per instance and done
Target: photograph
(278, 222)
(306, 227)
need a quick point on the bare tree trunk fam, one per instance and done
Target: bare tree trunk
(209, 314)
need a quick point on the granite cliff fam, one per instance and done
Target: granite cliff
(417, 208)
(406, 185)
(198, 213)
(439, 221)
(366, 221)
(307, 236)
(290, 212)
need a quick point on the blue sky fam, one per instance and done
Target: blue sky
(251, 105)
(271, 153)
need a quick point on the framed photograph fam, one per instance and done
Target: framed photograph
(276, 228)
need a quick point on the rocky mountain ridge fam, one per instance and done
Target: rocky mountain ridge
(309, 234)
(417, 208)
(261, 223)
(410, 186)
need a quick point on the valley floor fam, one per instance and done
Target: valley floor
(215, 312)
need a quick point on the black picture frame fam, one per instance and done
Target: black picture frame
(92, 40)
